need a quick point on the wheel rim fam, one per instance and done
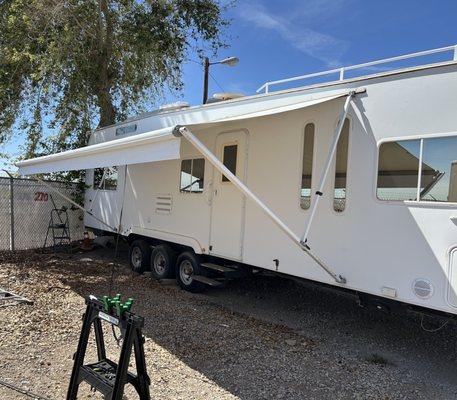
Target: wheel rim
(186, 270)
(136, 257)
(160, 264)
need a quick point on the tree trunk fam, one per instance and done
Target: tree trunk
(107, 110)
(105, 100)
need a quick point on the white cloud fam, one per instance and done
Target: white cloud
(295, 31)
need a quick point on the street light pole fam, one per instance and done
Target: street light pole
(230, 61)
(206, 65)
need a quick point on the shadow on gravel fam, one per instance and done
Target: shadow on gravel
(273, 338)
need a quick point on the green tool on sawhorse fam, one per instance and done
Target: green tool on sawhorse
(105, 375)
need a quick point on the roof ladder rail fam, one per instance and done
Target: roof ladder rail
(266, 87)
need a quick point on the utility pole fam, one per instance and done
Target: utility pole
(230, 61)
(206, 65)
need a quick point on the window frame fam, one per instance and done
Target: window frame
(191, 159)
(417, 201)
(223, 146)
(313, 166)
(348, 173)
(103, 189)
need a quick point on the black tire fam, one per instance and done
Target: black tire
(163, 262)
(139, 256)
(188, 264)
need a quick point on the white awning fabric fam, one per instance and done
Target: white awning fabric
(157, 145)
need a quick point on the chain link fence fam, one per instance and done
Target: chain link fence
(25, 212)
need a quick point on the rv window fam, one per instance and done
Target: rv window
(124, 130)
(229, 159)
(398, 169)
(110, 181)
(307, 166)
(192, 175)
(439, 170)
(339, 196)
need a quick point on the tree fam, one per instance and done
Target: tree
(70, 65)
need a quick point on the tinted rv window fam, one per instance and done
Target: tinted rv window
(398, 170)
(439, 170)
(110, 181)
(307, 166)
(192, 175)
(339, 196)
(229, 159)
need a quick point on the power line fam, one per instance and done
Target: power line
(210, 74)
(217, 83)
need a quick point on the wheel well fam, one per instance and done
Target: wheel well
(178, 248)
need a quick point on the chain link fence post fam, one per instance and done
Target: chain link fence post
(11, 213)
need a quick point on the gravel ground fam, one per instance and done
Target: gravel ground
(259, 338)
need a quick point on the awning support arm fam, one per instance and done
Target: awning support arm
(74, 203)
(179, 131)
(319, 193)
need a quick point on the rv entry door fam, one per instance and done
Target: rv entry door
(227, 212)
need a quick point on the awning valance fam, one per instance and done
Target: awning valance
(157, 145)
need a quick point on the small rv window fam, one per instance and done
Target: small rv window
(110, 181)
(439, 170)
(398, 169)
(124, 130)
(307, 166)
(339, 196)
(192, 175)
(229, 159)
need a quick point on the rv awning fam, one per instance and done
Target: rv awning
(157, 145)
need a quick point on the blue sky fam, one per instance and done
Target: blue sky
(277, 39)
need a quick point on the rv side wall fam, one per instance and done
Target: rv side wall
(396, 249)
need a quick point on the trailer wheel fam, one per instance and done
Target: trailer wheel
(186, 266)
(163, 261)
(139, 256)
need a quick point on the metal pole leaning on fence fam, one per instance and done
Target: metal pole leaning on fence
(12, 246)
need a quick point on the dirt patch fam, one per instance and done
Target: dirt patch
(219, 345)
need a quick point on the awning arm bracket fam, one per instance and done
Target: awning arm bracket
(74, 203)
(179, 131)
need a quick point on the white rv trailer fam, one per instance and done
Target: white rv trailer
(350, 183)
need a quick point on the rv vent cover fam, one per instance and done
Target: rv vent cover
(174, 106)
(422, 288)
(163, 204)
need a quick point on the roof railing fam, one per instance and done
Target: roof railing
(341, 71)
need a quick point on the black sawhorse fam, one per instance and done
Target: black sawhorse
(105, 375)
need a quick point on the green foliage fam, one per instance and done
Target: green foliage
(70, 65)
